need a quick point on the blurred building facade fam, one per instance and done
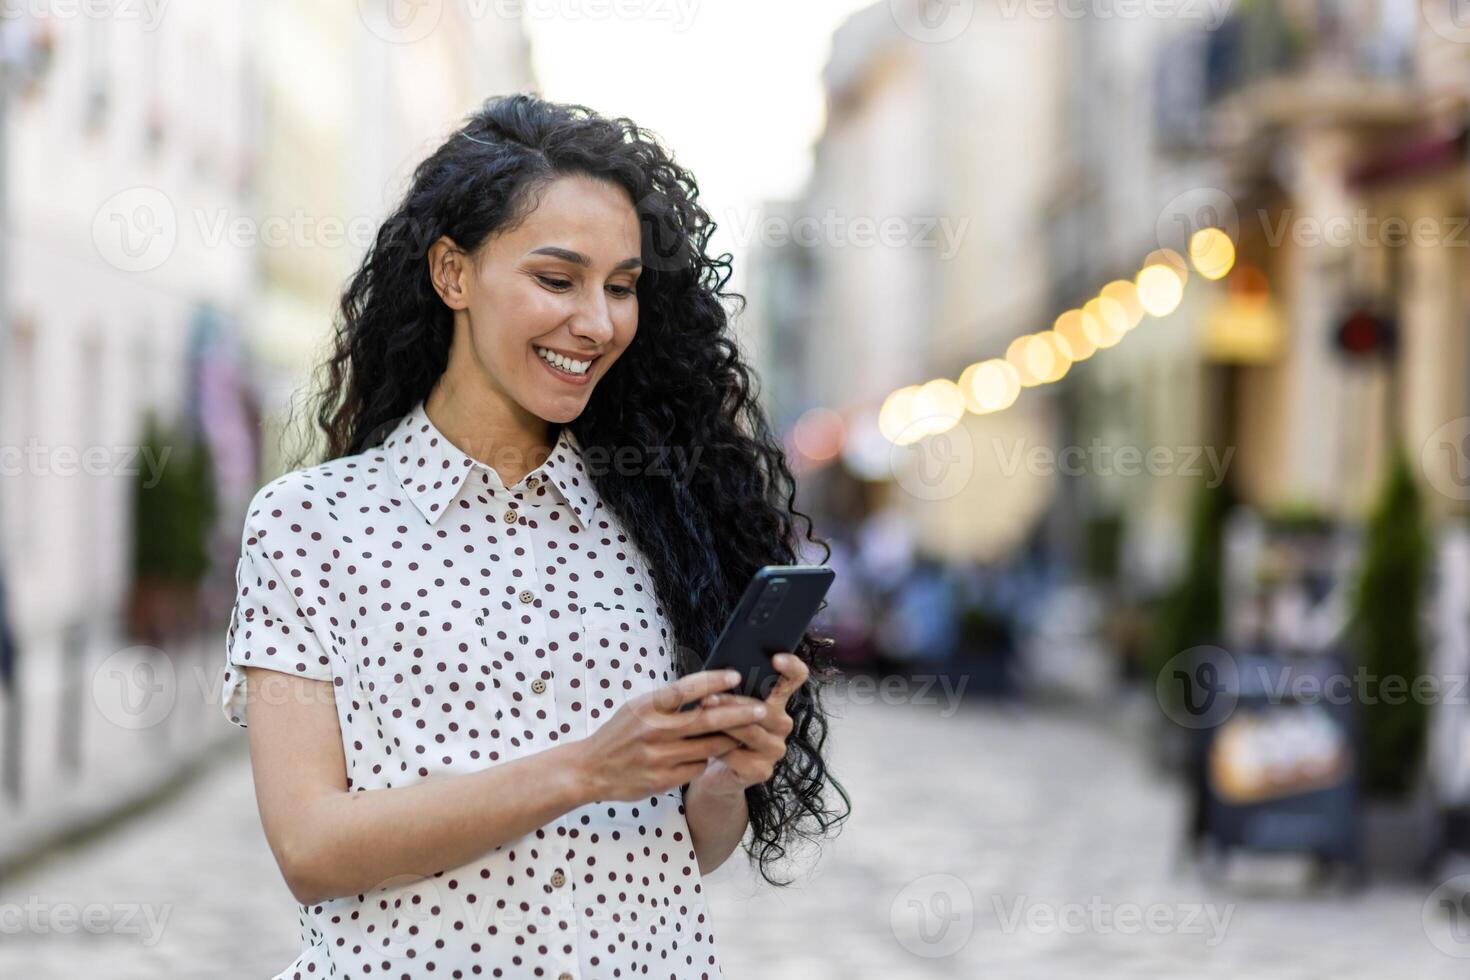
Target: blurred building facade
(1076, 146)
(1314, 134)
(923, 252)
(134, 130)
(185, 197)
(349, 105)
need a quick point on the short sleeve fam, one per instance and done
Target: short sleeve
(267, 629)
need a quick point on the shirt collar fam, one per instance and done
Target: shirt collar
(431, 469)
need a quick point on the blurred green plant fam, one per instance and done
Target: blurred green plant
(173, 516)
(1299, 517)
(1102, 546)
(1385, 628)
(1191, 614)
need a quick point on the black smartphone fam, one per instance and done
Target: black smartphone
(772, 616)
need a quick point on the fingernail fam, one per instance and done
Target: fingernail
(760, 711)
(731, 676)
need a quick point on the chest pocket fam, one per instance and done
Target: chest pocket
(430, 696)
(624, 656)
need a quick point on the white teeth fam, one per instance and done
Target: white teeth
(565, 363)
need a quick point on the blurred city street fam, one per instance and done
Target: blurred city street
(1050, 823)
(1118, 354)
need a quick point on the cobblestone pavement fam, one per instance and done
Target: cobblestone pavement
(988, 842)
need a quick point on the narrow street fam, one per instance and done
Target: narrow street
(990, 842)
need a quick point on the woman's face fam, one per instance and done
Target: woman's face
(551, 304)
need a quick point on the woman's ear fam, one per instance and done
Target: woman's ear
(448, 269)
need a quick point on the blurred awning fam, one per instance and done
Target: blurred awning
(1406, 160)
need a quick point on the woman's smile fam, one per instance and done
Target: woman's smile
(576, 370)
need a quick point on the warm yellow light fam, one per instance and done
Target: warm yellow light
(897, 412)
(1039, 357)
(1016, 358)
(1069, 325)
(1125, 294)
(1101, 326)
(937, 406)
(1169, 258)
(1159, 290)
(989, 386)
(1059, 353)
(1212, 252)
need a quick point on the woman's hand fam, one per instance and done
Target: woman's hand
(761, 744)
(649, 746)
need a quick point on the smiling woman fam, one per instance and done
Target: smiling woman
(462, 639)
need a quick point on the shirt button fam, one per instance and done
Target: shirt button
(532, 482)
(528, 596)
(538, 685)
(558, 879)
(509, 516)
(565, 976)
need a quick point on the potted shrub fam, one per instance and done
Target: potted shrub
(173, 512)
(1386, 633)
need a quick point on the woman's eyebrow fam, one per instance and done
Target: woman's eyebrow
(577, 258)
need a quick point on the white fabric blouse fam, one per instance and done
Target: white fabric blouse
(463, 624)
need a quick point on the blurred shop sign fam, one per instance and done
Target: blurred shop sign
(1244, 326)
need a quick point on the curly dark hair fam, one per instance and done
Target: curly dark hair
(681, 384)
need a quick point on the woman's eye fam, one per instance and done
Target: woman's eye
(621, 290)
(554, 283)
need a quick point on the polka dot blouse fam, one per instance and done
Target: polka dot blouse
(462, 624)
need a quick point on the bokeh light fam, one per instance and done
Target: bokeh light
(989, 386)
(1212, 252)
(1159, 290)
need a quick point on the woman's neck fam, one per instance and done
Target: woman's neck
(507, 438)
